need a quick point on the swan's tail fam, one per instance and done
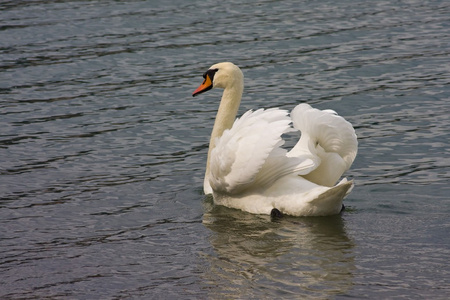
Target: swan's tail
(328, 138)
(330, 202)
(318, 201)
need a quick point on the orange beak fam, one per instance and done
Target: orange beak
(205, 86)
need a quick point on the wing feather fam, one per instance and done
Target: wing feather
(328, 138)
(249, 155)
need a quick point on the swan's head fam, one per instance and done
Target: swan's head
(221, 75)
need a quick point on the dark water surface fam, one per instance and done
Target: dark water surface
(102, 149)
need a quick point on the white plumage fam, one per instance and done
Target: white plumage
(247, 169)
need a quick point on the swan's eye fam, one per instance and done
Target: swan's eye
(210, 73)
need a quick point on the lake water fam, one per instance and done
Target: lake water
(103, 149)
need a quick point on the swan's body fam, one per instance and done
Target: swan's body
(247, 169)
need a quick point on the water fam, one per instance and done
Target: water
(102, 149)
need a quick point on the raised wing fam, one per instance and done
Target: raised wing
(249, 155)
(329, 140)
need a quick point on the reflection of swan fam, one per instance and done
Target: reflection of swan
(247, 169)
(297, 258)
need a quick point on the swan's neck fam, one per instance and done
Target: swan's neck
(228, 108)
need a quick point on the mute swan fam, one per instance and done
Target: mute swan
(247, 169)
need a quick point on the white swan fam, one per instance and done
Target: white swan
(247, 169)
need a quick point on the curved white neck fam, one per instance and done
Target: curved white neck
(228, 108)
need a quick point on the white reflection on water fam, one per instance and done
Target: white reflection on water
(254, 256)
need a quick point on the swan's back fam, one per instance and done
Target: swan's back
(249, 158)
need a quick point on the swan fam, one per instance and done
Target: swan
(247, 168)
